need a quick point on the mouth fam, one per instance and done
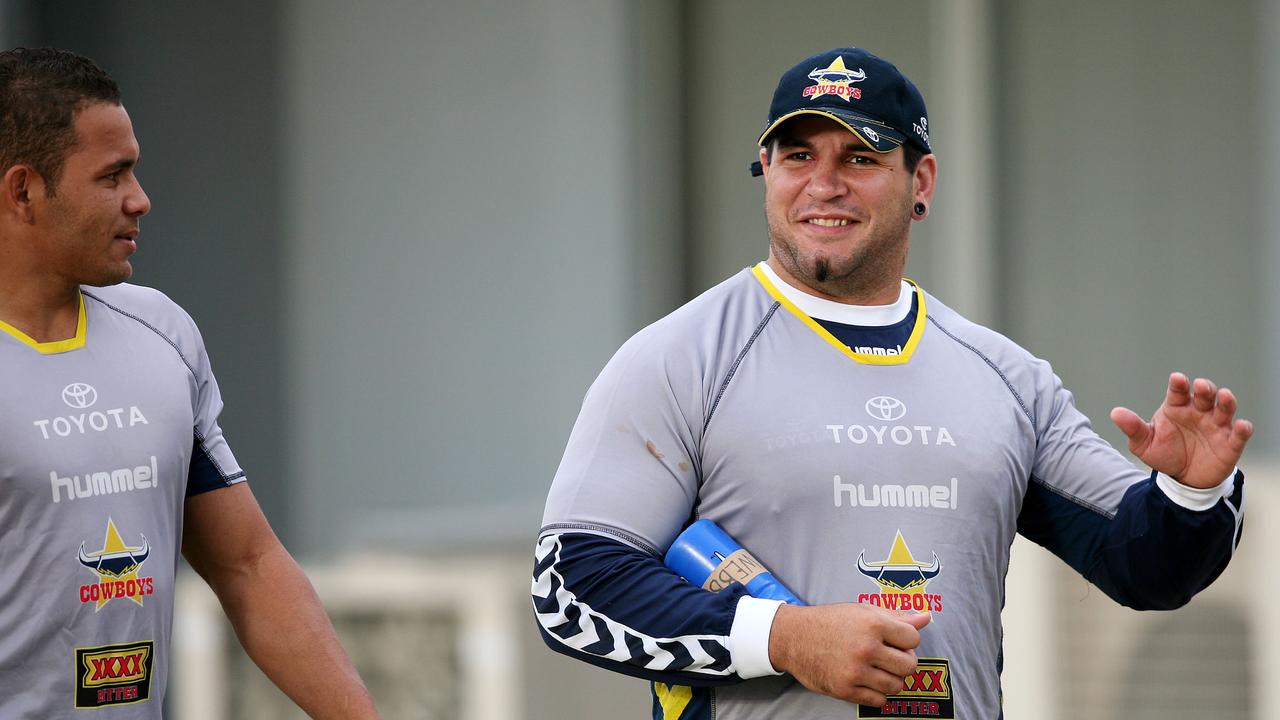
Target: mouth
(829, 222)
(129, 238)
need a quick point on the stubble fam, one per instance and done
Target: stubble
(873, 264)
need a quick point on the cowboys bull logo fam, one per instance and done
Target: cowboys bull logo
(117, 566)
(902, 580)
(835, 79)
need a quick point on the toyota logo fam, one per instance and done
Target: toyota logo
(883, 407)
(79, 395)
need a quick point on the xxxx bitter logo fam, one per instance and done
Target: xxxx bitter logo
(902, 579)
(926, 693)
(113, 674)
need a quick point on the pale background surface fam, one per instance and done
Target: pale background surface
(412, 233)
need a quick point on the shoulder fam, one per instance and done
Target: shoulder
(1028, 377)
(150, 309)
(719, 322)
(130, 297)
(977, 338)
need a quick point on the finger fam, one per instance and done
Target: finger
(1241, 431)
(883, 681)
(1134, 427)
(901, 632)
(1203, 394)
(918, 620)
(895, 662)
(1225, 408)
(1179, 392)
(864, 696)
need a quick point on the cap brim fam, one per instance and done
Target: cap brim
(873, 133)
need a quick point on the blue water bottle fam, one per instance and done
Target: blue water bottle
(706, 556)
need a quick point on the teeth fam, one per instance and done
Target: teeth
(830, 222)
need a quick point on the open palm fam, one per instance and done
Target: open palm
(1193, 436)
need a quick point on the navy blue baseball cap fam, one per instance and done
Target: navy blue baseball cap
(862, 92)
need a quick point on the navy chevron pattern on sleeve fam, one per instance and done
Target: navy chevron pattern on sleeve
(612, 605)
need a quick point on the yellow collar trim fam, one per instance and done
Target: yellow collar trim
(57, 346)
(907, 350)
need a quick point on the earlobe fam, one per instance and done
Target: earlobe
(926, 175)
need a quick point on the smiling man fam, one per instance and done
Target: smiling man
(866, 443)
(111, 458)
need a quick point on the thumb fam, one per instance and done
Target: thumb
(917, 620)
(1133, 426)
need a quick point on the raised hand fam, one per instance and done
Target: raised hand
(1193, 436)
(858, 653)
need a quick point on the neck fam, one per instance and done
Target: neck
(44, 306)
(884, 290)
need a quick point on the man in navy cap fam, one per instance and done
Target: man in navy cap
(874, 449)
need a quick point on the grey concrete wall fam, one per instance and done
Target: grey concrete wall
(1269, 143)
(481, 207)
(477, 217)
(14, 22)
(1131, 198)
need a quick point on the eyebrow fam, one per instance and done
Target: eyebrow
(793, 143)
(785, 141)
(121, 164)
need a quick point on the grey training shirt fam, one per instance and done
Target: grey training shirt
(97, 437)
(891, 479)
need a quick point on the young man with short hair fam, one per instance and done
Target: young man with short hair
(111, 458)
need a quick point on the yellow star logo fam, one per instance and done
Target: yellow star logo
(901, 572)
(116, 566)
(900, 554)
(835, 79)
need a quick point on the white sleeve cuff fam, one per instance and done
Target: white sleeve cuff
(1195, 498)
(749, 636)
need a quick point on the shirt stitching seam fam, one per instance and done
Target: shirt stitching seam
(150, 327)
(733, 369)
(1073, 499)
(990, 363)
(226, 479)
(622, 534)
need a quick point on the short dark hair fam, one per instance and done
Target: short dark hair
(40, 91)
(911, 155)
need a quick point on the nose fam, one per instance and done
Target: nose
(136, 203)
(824, 182)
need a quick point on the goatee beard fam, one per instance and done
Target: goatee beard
(821, 270)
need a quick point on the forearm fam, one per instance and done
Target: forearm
(1160, 551)
(609, 604)
(283, 627)
(1153, 554)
